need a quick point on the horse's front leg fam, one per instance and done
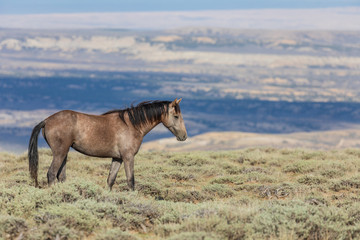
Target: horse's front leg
(129, 171)
(115, 165)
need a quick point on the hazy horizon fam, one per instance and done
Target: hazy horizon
(82, 6)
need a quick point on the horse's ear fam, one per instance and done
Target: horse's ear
(178, 101)
(173, 103)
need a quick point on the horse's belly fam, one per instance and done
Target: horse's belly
(95, 151)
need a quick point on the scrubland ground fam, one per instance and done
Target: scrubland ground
(260, 193)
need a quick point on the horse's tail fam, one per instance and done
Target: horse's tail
(33, 152)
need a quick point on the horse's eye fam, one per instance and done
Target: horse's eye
(176, 117)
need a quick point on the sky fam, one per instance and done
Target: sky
(86, 6)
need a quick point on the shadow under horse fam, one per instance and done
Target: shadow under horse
(117, 134)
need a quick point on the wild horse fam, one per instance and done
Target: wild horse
(117, 134)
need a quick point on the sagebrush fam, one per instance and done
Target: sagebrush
(259, 193)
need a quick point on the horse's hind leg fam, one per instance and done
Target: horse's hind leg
(61, 175)
(58, 159)
(114, 169)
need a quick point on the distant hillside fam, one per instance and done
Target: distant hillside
(237, 140)
(267, 81)
(210, 63)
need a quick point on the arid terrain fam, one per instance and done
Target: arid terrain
(261, 193)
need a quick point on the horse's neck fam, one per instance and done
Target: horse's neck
(145, 128)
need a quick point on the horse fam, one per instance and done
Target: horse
(116, 134)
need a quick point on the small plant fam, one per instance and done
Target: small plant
(219, 190)
(12, 227)
(311, 180)
(115, 234)
(299, 167)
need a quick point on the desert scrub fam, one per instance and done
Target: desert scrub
(22, 201)
(300, 167)
(69, 215)
(115, 234)
(303, 221)
(345, 184)
(181, 176)
(219, 190)
(311, 180)
(195, 236)
(12, 227)
(194, 159)
(192, 196)
(258, 193)
(237, 180)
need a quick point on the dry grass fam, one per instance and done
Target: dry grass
(256, 193)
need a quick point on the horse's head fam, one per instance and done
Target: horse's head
(174, 121)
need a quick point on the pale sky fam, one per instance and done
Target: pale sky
(86, 6)
(286, 19)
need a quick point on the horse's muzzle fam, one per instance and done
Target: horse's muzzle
(182, 138)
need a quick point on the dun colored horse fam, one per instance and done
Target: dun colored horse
(116, 134)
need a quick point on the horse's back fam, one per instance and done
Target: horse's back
(73, 119)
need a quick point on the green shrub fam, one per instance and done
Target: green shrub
(313, 155)
(299, 167)
(22, 201)
(195, 236)
(181, 176)
(219, 190)
(137, 216)
(54, 229)
(232, 169)
(311, 180)
(150, 188)
(274, 191)
(237, 180)
(100, 210)
(304, 221)
(332, 173)
(345, 184)
(186, 196)
(12, 227)
(70, 216)
(115, 234)
(194, 159)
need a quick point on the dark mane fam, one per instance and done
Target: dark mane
(144, 112)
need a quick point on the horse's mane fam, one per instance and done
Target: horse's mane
(147, 111)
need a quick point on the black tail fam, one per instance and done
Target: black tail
(33, 152)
